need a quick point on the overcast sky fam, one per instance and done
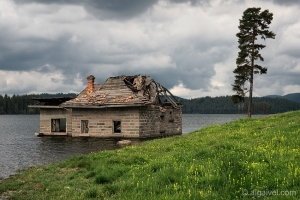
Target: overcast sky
(189, 46)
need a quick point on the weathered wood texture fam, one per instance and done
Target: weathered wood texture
(113, 92)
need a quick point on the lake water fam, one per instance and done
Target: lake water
(20, 148)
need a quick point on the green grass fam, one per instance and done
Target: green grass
(260, 157)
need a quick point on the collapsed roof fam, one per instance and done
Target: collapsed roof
(123, 91)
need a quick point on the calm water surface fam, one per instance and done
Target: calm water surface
(20, 148)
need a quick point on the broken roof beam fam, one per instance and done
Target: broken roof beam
(171, 94)
(164, 91)
(130, 85)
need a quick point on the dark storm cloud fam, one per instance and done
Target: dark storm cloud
(192, 2)
(12, 58)
(49, 1)
(104, 9)
(41, 55)
(291, 52)
(204, 2)
(119, 9)
(36, 53)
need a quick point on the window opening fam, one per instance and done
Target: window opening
(84, 126)
(58, 125)
(117, 126)
(171, 117)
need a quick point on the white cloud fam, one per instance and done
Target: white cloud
(13, 82)
(74, 39)
(181, 91)
(153, 62)
(291, 89)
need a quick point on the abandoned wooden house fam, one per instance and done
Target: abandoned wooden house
(124, 106)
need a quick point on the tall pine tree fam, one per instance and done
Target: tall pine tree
(254, 23)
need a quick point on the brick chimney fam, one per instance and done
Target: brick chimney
(90, 85)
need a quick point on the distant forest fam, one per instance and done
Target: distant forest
(18, 104)
(223, 105)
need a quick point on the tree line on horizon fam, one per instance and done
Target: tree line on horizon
(224, 105)
(18, 104)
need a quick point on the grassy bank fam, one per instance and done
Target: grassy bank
(248, 158)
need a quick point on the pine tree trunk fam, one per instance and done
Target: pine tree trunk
(250, 96)
(251, 77)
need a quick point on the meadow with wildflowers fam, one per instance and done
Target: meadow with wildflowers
(245, 159)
